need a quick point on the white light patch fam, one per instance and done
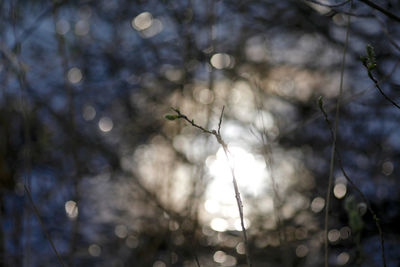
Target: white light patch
(339, 190)
(142, 21)
(222, 61)
(211, 206)
(250, 173)
(62, 27)
(121, 231)
(82, 28)
(251, 176)
(219, 225)
(317, 204)
(155, 28)
(71, 209)
(219, 256)
(343, 258)
(94, 250)
(74, 75)
(106, 124)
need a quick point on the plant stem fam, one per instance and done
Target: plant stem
(239, 202)
(364, 198)
(36, 211)
(328, 193)
(380, 89)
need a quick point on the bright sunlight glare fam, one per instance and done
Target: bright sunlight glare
(250, 173)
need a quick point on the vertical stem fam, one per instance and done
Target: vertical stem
(37, 213)
(276, 199)
(332, 162)
(239, 204)
(72, 149)
(26, 150)
(217, 135)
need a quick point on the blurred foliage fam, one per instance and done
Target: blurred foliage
(84, 89)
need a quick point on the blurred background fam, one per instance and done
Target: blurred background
(85, 85)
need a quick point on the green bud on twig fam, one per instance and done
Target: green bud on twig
(369, 60)
(171, 117)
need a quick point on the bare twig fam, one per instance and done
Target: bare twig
(381, 9)
(239, 202)
(386, 32)
(380, 89)
(72, 150)
(268, 159)
(183, 116)
(220, 120)
(197, 260)
(369, 63)
(33, 26)
(348, 99)
(355, 187)
(36, 211)
(332, 163)
(27, 155)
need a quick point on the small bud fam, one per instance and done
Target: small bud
(369, 60)
(370, 52)
(171, 117)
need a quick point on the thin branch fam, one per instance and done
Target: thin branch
(240, 207)
(328, 193)
(355, 187)
(268, 159)
(36, 211)
(386, 32)
(333, 9)
(358, 15)
(27, 155)
(183, 116)
(153, 197)
(235, 185)
(350, 98)
(374, 215)
(220, 120)
(380, 89)
(33, 26)
(381, 9)
(197, 260)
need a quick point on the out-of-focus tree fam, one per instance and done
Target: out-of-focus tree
(84, 89)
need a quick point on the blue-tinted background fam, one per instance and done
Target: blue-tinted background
(85, 85)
